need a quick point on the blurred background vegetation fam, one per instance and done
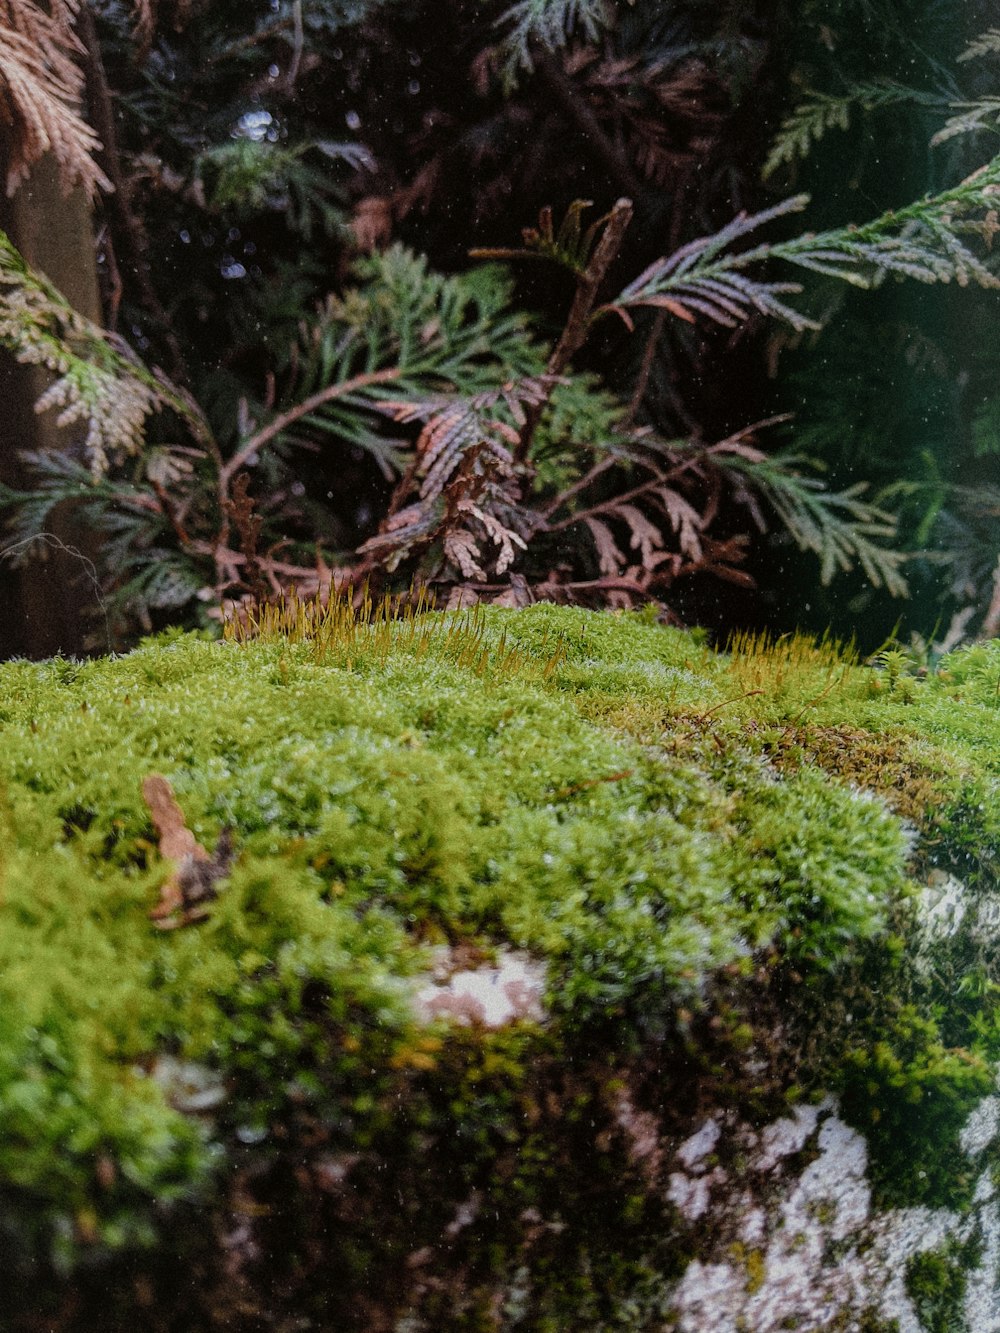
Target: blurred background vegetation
(292, 371)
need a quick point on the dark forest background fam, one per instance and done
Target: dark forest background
(342, 315)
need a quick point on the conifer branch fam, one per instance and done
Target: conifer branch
(822, 112)
(260, 439)
(578, 321)
(533, 25)
(924, 241)
(99, 380)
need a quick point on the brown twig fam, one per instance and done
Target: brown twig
(229, 562)
(194, 872)
(579, 485)
(171, 513)
(611, 583)
(577, 325)
(578, 321)
(646, 367)
(263, 437)
(298, 41)
(578, 516)
(991, 622)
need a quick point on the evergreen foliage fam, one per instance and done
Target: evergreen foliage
(99, 380)
(398, 424)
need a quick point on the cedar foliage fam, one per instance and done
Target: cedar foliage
(383, 421)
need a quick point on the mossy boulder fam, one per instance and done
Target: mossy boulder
(536, 970)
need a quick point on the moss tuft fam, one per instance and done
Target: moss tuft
(679, 839)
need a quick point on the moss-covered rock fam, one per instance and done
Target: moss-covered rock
(544, 970)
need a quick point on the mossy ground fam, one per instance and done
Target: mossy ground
(696, 845)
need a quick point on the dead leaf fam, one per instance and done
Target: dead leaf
(192, 881)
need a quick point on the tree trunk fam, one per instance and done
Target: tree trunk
(44, 607)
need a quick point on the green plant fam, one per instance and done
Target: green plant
(412, 426)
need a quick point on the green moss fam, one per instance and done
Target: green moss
(690, 859)
(936, 1283)
(911, 1096)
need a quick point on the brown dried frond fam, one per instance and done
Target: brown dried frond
(51, 26)
(468, 496)
(248, 524)
(40, 87)
(145, 26)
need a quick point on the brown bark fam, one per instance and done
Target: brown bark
(44, 606)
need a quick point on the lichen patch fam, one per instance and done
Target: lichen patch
(492, 995)
(810, 1250)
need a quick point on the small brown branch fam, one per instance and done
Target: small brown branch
(991, 623)
(298, 41)
(646, 368)
(280, 573)
(659, 478)
(263, 437)
(580, 515)
(579, 485)
(172, 514)
(112, 285)
(248, 524)
(577, 325)
(578, 322)
(611, 583)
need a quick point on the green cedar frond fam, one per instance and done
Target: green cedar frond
(57, 479)
(923, 241)
(826, 111)
(986, 429)
(459, 331)
(547, 23)
(983, 113)
(699, 279)
(837, 526)
(970, 118)
(163, 581)
(247, 176)
(986, 44)
(99, 380)
(454, 334)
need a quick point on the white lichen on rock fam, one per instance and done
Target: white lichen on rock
(509, 989)
(802, 1248)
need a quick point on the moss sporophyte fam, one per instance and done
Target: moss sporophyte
(505, 905)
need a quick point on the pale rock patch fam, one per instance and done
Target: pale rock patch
(802, 1248)
(508, 989)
